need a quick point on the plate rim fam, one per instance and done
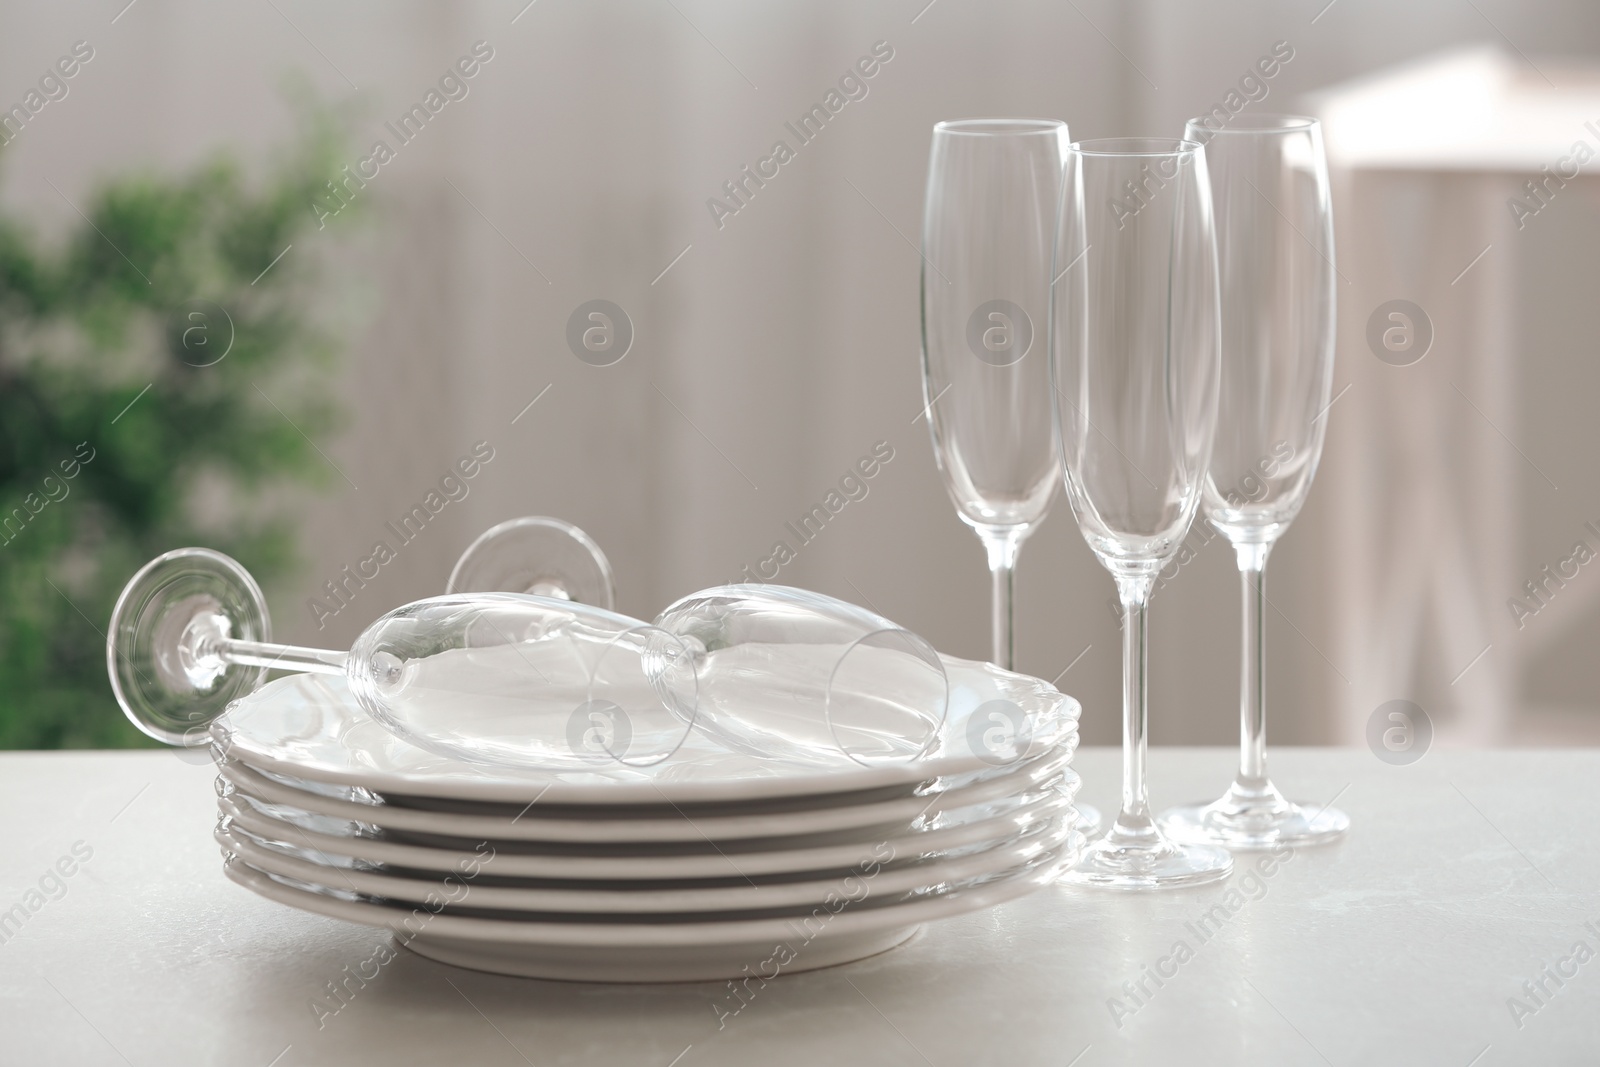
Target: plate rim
(1002, 855)
(540, 827)
(617, 868)
(842, 923)
(503, 785)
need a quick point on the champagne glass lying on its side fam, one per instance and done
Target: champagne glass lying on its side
(832, 681)
(533, 554)
(498, 678)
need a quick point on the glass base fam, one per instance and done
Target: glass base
(1254, 819)
(1090, 821)
(159, 647)
(538, 555)
(1138, 857)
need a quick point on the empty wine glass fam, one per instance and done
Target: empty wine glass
(993, 185)
(1269, 183)
(1133, 339)
(538, 555)
(500, 678)
(533, 554)
(992, 191)
(828, 677)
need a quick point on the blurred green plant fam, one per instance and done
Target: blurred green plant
(110, 341)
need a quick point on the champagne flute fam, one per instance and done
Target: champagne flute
(992, 191)
(1133, 338)
(993, 185)
(492, 678)
(1275, 255)
(833, 681)
(534, 554)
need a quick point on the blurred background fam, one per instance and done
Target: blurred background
(238, 323)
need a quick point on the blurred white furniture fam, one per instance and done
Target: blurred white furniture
(1464, 875)
(1426, 464)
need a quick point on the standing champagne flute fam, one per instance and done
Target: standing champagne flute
(1275, 255)
(1134, 338)
(992, 191)
(993, 187)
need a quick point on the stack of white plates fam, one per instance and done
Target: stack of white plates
(711, 864)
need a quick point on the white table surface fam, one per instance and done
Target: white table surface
(1465, 874)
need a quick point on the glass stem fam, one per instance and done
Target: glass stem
(282, 657)
(1252, 667)
(1002, 544)
(1134, 592)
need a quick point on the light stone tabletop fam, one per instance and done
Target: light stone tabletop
(1458, 925)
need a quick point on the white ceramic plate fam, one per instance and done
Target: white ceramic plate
(663, 951)
(537, 823)
(603, 862)
(643, 899)
(311, 727)
(1063, 782)
(298, 821)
